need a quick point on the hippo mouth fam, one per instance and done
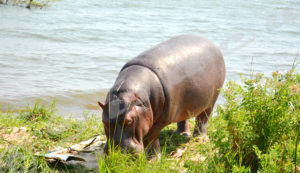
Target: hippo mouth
(129, 147)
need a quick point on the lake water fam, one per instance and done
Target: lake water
(73, 50)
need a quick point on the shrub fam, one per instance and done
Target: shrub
(260, 120)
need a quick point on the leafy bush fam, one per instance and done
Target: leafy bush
(259, 123)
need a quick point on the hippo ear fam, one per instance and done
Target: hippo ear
(101, 105)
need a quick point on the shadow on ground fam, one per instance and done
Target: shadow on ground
(170, 140)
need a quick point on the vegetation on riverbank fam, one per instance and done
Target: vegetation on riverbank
(256, 130)
(43, 131)
(26, 3)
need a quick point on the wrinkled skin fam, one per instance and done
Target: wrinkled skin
(172, 82)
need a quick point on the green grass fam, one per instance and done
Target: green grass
(256, 130)
(49, 131)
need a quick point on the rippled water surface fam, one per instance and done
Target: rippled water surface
(73, 50)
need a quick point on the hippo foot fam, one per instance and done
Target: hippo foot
(154, 149)
(183, 128)
(200, 128)
(184, 133)
(197, 133)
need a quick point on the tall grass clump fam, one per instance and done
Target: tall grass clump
(117, 161)
(39, 112)
(258, 125)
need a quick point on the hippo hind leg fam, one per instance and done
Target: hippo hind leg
(183, 128)
(201, 122)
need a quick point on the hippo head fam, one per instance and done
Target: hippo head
(126, 121)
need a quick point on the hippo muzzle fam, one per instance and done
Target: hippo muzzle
(123, 126)
(123, 138)
(126, 146)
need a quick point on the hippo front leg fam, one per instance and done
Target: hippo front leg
(153, 148)
(151, 141)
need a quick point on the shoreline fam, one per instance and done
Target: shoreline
(238, 123)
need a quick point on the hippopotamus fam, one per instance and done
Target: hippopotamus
(169, 83)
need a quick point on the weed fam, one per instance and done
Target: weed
(38, 112)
